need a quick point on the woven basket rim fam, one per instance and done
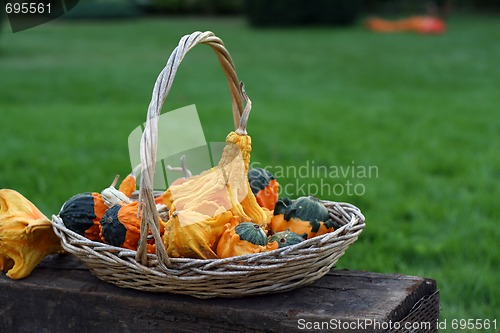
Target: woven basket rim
(357, 223)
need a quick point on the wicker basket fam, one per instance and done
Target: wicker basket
(269, 272)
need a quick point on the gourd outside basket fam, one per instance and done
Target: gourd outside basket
(262, 273)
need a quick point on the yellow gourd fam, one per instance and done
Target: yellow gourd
(26, 235)
(190, 234)
(200, 205)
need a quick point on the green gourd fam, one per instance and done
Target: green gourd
(252, 232)
(82, 213)
(303, 215)
(113, 231)
(287, 238)
(308, 209)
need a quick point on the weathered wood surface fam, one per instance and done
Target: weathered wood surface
(61, 295)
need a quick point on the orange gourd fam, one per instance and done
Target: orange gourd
(264, 186)
(120, 226)
(243, 238)
(305, 215)
(128, 185)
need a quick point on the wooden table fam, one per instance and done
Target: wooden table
(61, 295)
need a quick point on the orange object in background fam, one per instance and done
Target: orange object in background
(420, 24)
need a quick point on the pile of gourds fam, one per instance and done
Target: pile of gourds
(226, 211)
(208, 230)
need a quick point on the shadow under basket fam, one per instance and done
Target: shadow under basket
(275, 271)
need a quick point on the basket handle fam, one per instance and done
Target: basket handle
(149, 140)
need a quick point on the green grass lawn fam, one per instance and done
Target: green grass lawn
(423, 111)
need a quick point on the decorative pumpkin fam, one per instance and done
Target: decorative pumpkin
(113, 231)
(303, 215)
(26, 235)
(243, 238)
(287, 238)
(202, 204)
(264, 186)
(120, 226)
(190, 234)
(82, 214)
(128, 185)
(251, 232)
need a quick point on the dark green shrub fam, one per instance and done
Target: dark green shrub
(213, 7)
(274, 12)
(302, 12)
(337, 12)
(271, 13)
(481, 4)
(172, 6)
(408, 7)
(103, 9)
(223, 7)
(2, 20)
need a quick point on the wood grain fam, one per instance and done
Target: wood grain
(61, 295)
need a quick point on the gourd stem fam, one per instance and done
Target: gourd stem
(242, 129)
(115, 181)
(137, 170)
(183, 168)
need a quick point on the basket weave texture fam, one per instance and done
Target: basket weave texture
(268, 272)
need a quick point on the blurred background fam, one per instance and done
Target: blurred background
(420, 107)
